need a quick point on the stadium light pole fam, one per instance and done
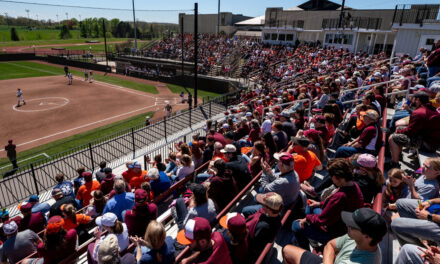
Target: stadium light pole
(58, 20)
(105, 42)
(29, 20)
(7, 20)
(134, 23)
(218, 18)
(341, 16)
(67, 16)
(196, 38)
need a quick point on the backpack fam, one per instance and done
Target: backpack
(252, 221)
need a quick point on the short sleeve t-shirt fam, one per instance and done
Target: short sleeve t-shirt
(85, 191)
(305, 163)
(427, 189)
(80, 219)
(20, 246)
(348, 254)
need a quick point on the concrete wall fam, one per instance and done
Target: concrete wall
(208, 23)
(407, 40)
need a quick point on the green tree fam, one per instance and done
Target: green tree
(14, 36)
(65, 33)
(83, 30)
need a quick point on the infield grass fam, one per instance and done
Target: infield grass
(177, 89)
(33, 69)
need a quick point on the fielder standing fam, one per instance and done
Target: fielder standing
(86, 75)
(20, 97)
(168, 108)
(91, 77)
(69, 75)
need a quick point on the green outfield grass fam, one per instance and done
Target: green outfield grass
(33, 69)
(54, 41)
(37, 34)
(93, 47)
(78, 139)
(177, 89)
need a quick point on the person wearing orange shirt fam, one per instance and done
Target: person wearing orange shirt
(137, 180)
(85, 191)
(72, 220)
(217, 154)
(305, 160)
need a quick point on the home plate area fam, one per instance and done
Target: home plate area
(42, 104)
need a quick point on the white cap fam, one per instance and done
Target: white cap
(108, 219)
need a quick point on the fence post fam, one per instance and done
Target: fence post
(35, 178)
(190, 117)
(132, 140)
(91, 156)
(165, 126)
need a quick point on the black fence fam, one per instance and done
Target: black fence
(415, 14)
(116, 149)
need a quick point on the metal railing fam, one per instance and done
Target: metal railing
(120, 147)
(415, 14)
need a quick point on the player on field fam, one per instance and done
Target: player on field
(66, 70)
(20, 97)
(86, 75)
(168, 108)
(69, 75)
(90, 77)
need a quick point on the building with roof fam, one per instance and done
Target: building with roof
(207, 23)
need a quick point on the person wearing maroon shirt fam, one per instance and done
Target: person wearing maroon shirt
(218, 137)
(320, 126)
(108, 181)
(57, 242)
(208, 247)
(11, 153)
(222, 181)
(138, 218)
(323, 220)
(423, 130)
(33, 221)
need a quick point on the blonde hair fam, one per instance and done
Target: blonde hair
(155, 235)
(435, 163)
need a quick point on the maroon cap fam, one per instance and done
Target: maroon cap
(10, 141)
(195, 229)
(87, 176)
(140, 195)
(25, 207)
(284, 157)
(312, 133)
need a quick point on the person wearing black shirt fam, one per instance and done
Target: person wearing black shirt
(238, 165)
(57, 194)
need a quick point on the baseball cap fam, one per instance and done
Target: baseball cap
(109, 249)
(26, 207)
(365, 160)
(33, 198)
(226, 113)
(4, 213)
(108, 170)
(108, 219)
(10, 227)
(140, 195)
(87, 175)
(54, 224)
(367, 221)
(56, 191)
(10, 141)
(225, 126)
(271, 199)
(229, 148)
(195, 229)
(134, 165)
(284, 157)
(312, 133)
(234, 222)
(303, 141)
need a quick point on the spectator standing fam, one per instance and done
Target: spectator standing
(433, 61)
(138, 218)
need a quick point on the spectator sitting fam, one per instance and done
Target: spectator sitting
(200, 206)
(84, 194)
(230, 139)
(217, 152)
(259, 155)
(264, 224)
(209, 247)
(156, 247)
(107, 181)
(410, 253)
(138, 176)
(171, 163)
(18, 244)
(279, 136)
(422, 132)
(65, 186)
(110, 223)
(368, 176)
(319, 122)
(236, 237)
(209, 149)
(108, 252)
(79, 181)
(36, 206)
(140, 215)
(72, 220)
(57, 195)
(221, 181)
(185, 169)
(323, 220)
(306, 161)
(58, 243)
(197, 154)
(97, 204)
(121, 201)
(101, 173)
(33, 221)
(285, 182)
(369, 141)
(238, 165)
(366, 229)
(316, 145)
(159, 181)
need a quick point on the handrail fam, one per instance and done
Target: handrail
(371, 85)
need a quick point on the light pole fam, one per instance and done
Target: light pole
(134, 23)
(7, 20)
(218, 18)
(79, 18)
(58, 21)
(29, 20)
(37, 19)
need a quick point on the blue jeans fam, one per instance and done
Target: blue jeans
(202, 177)
(399, 114)
(302, 235)
(431, 80)
(345, 152)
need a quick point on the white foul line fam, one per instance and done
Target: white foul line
(43, 153)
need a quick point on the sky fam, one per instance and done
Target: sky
(251, 8)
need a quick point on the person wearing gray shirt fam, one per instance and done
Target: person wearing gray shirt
(19, 244)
